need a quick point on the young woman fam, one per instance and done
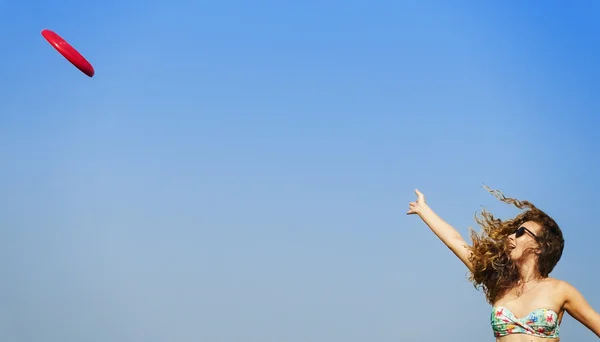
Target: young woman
(511, 260)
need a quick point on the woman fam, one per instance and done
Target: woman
(511, 261)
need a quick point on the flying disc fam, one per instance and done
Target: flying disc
(68, 52)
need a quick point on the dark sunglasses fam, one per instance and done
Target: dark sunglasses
(522, 230)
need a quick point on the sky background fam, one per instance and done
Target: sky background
(240, 171)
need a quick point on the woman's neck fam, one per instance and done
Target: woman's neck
(528, 272)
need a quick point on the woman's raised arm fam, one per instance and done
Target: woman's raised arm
(448, 234)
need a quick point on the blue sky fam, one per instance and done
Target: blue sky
(240, 171)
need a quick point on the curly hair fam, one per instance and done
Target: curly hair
(493, 270)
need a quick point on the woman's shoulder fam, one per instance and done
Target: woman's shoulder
(555, 282)
(559, 287)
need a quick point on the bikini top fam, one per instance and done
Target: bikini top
(539, 323)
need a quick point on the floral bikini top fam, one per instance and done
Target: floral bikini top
(539, 323)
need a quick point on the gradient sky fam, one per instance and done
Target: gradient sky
(240, 172)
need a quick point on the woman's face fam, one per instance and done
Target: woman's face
(523, 239)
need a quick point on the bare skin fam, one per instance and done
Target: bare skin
(533, 291)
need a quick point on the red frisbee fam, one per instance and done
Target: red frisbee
(68, 52)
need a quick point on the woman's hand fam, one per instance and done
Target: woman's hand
(418, 206)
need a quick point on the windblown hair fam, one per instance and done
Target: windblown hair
(493, 269)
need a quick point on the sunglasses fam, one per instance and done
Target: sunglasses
(522, 230)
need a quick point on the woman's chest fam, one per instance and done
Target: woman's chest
(523, 301)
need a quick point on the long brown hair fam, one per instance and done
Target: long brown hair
(493, 270)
